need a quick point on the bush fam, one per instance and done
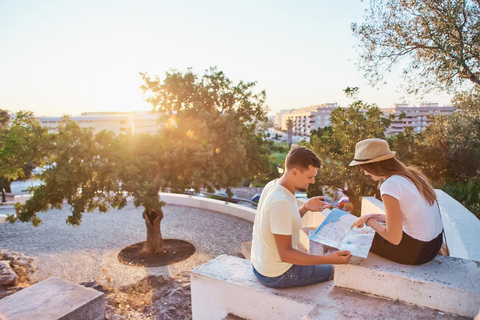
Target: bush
(468, 194)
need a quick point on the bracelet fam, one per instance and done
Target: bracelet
(367, 221)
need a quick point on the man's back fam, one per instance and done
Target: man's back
(277, 213)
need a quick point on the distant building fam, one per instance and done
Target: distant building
(128, 122)
(415, 117)
(278, 118)
(305, 120)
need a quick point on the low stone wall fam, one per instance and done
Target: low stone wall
(210, 204)
(247, 192)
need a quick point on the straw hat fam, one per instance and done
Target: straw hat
(371, 150)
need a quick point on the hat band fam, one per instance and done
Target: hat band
(362, 160)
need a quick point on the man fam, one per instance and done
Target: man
(276, 261)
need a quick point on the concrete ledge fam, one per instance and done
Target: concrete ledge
(6, 210)
(447, 284)
(461, 228)
(54, 299)
(227, 284)
(231, 209)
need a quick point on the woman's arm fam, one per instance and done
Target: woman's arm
(392, 230)
(359, 222)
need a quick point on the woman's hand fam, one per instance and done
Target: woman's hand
(316, 204)
(360, 222)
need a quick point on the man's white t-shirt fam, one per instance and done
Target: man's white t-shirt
(277, 213)
(420, 220)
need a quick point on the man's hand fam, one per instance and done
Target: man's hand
(316, 204)
(340, 257)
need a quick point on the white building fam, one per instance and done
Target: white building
(415, 117)
(278, 118)
(305, 120)
(131, 122)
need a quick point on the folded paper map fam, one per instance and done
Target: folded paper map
(335, 232)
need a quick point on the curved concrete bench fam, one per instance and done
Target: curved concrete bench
(226, 285)
(231, 209)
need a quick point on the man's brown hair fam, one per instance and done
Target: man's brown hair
(301, 157)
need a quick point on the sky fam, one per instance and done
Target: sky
(68, 57)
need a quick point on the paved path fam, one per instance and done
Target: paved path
(89, 252)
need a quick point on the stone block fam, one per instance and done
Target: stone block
(54, 299)
(447, 284)
(227, 284)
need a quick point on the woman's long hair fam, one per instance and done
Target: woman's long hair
(393, 166)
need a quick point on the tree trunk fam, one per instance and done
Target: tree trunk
(355, 201)
(289, 137)
(5, 184)
(154, 243)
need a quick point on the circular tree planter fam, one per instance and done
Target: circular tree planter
(174, 250)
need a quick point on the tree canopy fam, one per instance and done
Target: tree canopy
(23, 145)
(336, 147)
(441, 40)
(208, 140)
(211, 131)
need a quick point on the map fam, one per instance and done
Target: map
(335, 232)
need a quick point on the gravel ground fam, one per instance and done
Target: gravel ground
(89, 252)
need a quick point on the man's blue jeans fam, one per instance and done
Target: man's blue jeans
(298, 276)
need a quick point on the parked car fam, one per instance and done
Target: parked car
(342, 204)
(301, 195)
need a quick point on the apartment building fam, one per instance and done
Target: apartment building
(305, 120)
(128, 122)
(415, 117)
(278, 118)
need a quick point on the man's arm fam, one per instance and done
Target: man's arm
(290, 255)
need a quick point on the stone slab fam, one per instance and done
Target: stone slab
(54, 299)
(226, 285)
(447, 284)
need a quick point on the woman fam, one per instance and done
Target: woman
(410, 232)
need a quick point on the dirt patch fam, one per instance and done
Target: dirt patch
(154, 297)
(174, 251)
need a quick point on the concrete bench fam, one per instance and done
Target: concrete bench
(54, 299)
(226, 285)
(231, 209)
(448, 284)
(445, 283)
